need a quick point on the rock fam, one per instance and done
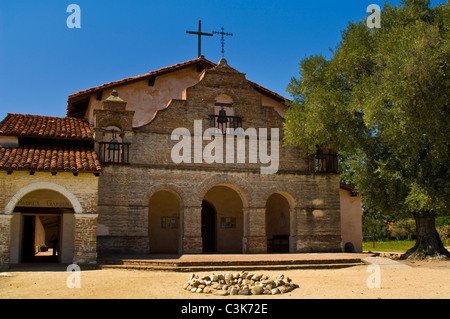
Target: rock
(234, 291)
(220, 292)
(256, 277)
(244, 291)
(257, 290)
(283, 289)
(216, 286)
(243, 275)
(275, 291)
(228, 278)
(207, 290)
(241, 283)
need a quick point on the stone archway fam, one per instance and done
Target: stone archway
(278, 223)
(229, 219)
(43, 185)
(164, 222)
(77, 241)
(42, 227)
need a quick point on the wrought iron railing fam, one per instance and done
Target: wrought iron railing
(225, 123)
(110, 152)
(326, 163)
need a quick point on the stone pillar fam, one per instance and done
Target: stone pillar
(192, 230)
(5, 235)
(293, 230)
(85, 238)
(255, 240)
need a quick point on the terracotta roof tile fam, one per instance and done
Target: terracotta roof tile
(49, 158)
(26, 125)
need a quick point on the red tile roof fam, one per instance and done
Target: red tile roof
(26, 125)
(73, 109)
(49, 158)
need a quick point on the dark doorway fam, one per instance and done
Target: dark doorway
(40, 240)
(208, 227)
(28, 239)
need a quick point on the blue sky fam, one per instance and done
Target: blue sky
(42, 61)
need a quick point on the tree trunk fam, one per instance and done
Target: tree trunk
(428, 242)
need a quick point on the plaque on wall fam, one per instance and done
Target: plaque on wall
(228, 222)
(168, 222)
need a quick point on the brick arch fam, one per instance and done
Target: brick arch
(287, 195)
(43, 185)
(239, 185)
(178, 192)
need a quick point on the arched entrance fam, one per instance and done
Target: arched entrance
(277, 224)
(43, 228)
(224, 222)
(164, 222)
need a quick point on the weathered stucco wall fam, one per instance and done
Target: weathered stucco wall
(351, 219)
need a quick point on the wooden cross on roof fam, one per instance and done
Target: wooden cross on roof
(223, 39)
(200, 33)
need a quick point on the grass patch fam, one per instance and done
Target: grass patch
(400, 246)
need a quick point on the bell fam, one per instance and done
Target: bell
(319, 153)
(114, 145)
(222, 116)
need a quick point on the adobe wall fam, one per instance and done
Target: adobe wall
(351, 219)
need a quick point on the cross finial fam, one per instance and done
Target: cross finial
(200, 33)
(223, 39)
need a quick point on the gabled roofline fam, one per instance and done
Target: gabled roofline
(201, 62)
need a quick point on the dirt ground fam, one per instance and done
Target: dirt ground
(423, 280)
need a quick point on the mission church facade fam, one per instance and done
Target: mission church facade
(103, 180)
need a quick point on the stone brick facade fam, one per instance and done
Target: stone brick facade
(126, 189)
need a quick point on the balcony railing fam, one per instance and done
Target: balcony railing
(110, 152)
(232, 122)
(326, 163)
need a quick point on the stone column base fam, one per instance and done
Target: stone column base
(85, 238)
(192, 245)
(254, 245)
(5, 235)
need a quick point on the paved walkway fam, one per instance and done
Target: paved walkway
(385, 263)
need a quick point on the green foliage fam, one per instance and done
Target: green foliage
(403, 228)
(376, 225)
(382, 102)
